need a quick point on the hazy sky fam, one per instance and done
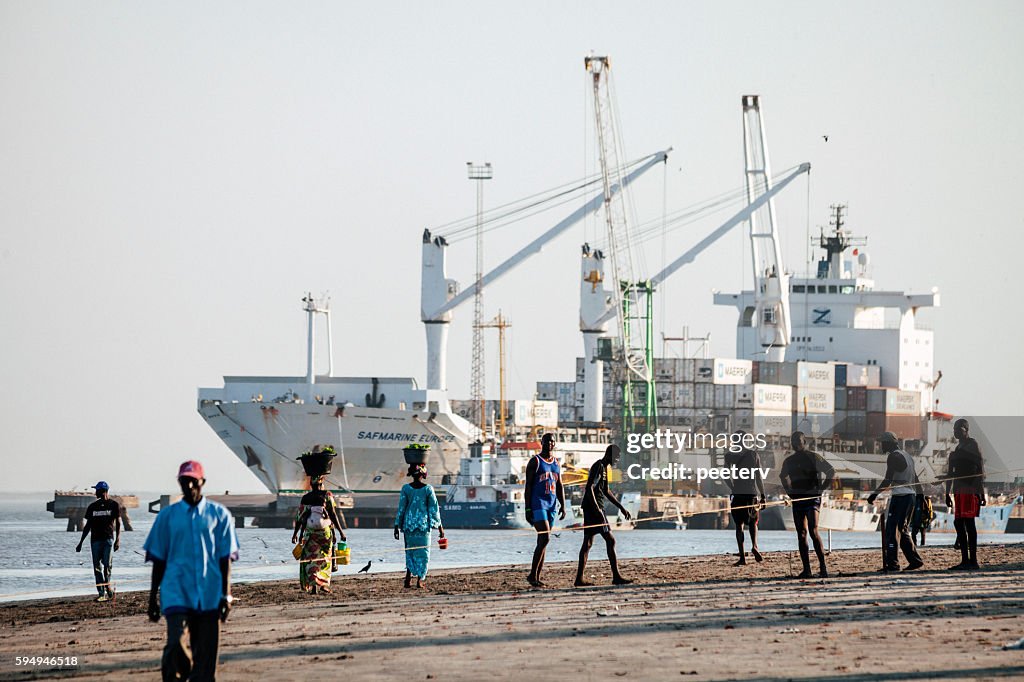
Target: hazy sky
(174, 176)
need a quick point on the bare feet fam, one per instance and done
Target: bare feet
(621, 581)
(806, 574)
(758, 557)
(740, 562)
(535, 582)
(582, 583)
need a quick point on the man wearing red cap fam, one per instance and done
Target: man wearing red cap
(191, 545)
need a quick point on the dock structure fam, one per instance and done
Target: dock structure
(71, 505)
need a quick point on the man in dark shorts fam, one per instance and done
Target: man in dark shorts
(103, 520)
(965, 493)
(901, 482)
(805, 475)
(543, 491)
(594, 520)
(747, 496)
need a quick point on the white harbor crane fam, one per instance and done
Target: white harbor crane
(771, 281)
(439, 295)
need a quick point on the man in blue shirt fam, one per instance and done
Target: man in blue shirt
(191, 545)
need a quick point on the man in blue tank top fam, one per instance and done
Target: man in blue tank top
(543, 491)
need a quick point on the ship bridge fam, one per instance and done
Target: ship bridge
(838, 315)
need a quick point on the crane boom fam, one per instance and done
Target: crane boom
(439, 295)
(691, 254)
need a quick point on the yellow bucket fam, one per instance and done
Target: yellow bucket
(343, 554)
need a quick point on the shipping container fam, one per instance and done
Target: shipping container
(703, 371)
(731, 371)
(704, 395)
(725, 396)
(773, 423)
(841, 371)
(807, 374)
(743, 419)
(688, 366)
(545, 413)
(856, 398)
(773, 397)
(840, 398)
(815, 425)
(664, 369)
(744, 397)
(814, 400)
(665, 393)
(851, 423)
(894, 401)
(755, 372)
(547, 390)
(684, 395)
(904, 426)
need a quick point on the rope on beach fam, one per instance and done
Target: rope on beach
(787, 502)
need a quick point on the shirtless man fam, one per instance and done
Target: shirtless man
(805, 475)
(594, 520)
(543, 491)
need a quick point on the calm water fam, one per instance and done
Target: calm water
(38, 558)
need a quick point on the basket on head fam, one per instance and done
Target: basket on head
(318, 461)
(415, 453)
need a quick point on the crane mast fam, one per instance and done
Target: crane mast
(771, 282)
(633, 299)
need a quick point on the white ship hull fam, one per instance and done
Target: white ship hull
(268, 436)
(841, 515)
(993, 519)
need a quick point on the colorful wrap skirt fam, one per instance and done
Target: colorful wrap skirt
(417, 552)
(315, 564)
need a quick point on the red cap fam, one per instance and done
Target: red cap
(192, 469)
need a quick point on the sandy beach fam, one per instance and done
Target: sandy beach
(696, 618)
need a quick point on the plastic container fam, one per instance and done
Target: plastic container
(442, 543)
(343, 553)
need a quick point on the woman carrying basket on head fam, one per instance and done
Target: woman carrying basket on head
(418, 512)
(318, 526)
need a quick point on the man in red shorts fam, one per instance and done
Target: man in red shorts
(965, 493)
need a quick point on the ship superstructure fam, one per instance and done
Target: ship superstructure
(838, 315)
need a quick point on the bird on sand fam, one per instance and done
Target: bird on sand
(366, 568)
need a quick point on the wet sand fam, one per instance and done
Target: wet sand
(696, 618)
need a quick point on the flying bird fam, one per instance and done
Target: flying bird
(366, 568)
(826, 137)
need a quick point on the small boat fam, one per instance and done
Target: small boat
(993, 519)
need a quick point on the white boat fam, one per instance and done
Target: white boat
(842, 514)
